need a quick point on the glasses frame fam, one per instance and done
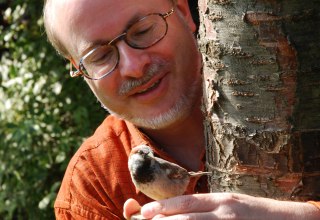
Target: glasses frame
(122, 36)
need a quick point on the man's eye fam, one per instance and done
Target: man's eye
(144, 31)
(101, 57)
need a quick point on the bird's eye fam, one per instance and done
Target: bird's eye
(144, 151)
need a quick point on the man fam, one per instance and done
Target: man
(141, 61)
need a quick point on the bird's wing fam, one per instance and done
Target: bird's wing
(173, 170)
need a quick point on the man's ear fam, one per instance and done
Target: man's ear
(183, 8)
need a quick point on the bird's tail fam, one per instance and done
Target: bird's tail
(199, 173)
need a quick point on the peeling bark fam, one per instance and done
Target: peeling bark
(262, 96)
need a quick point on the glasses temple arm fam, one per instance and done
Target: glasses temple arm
(74, 73)
(168, 13)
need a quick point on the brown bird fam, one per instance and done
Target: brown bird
(156, 177)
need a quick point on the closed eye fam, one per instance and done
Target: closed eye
(101, 56)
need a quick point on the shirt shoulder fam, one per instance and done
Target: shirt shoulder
(97, 181)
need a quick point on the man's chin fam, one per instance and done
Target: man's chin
(157, 122)
(161, 121)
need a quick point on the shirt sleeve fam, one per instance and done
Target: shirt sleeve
(80, 214)
(91, 187)
(97, 181)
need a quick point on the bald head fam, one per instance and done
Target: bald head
(53, 9)
(49, 16)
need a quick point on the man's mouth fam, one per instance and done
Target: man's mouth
(153, 86)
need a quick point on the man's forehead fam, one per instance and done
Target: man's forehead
(91, 22)
(83, 24)
(80, 11)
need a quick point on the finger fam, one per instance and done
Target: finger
(197, 216)
(178, 205)
(130, 207)
(158, 217)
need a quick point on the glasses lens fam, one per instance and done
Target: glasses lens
(100, 61)
(147, 31)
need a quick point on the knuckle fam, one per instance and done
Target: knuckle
(186, 203)
(229, 198)
(229, 206)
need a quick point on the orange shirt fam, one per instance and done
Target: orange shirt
(97, 181)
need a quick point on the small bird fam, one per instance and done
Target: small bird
(156, 177)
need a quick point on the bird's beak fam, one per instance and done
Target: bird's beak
(150, 154)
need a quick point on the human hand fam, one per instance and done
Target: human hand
(225, 206)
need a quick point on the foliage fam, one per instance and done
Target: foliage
(44, 115)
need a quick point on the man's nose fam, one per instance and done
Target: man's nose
(133, 62)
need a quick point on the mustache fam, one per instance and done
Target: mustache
(130, 84)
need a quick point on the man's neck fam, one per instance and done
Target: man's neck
(184, 141)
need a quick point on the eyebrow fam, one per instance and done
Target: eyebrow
(94, 44)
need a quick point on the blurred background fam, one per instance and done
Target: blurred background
(44, 114)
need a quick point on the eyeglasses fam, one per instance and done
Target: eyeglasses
(102, 60)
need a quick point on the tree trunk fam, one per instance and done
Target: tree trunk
(262, 96)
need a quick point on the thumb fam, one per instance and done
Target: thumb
(130, 207)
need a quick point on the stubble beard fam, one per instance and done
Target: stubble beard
(180, 110)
